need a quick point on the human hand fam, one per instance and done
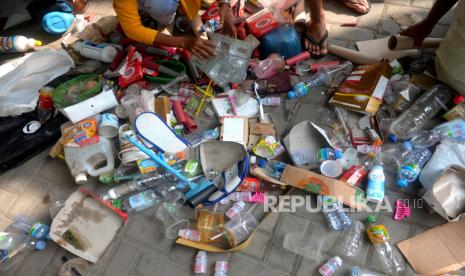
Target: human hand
(418, 32)
(227, 20)
(200, 47)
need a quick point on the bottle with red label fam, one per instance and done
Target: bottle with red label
(354, 175)
(45, 106)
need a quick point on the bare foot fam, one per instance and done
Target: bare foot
(360, 6)
(316, 30)
(418, 32)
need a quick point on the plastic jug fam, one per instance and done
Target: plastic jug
(95, 159)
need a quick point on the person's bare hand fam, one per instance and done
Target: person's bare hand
(418, 32)
(200, 47)
(227, 19)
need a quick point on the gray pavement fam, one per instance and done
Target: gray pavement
(140, 247)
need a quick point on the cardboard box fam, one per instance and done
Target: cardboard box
(235, 129)
(364, 89)
(261, 23)
(162, 107)
(438, 250)
(447, 195)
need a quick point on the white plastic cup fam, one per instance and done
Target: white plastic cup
(109, 126)
(331, 168)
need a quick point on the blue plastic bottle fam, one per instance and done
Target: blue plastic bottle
(38, 230)
(337, 219)
(413, 164)
(273, 168)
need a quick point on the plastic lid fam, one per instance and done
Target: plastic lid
(402, 183)
(338, 260)
(38, 43)
(253, 159)
(80, 178)
(408, 145)
(40, 245)
(339, 154)
(291, 94)
(458, 99)
(262, 163)
(393, 138)
(371, 219)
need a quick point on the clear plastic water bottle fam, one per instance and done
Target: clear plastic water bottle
(450, 130)
(37, 230)
(13, 246)
(335, 216)
(357, 271)
(375, 187)
(320, 80)
(349, 243)
(412, 166)
(329, 154)
(211, 134)
(392, 156)
(273, 168)
(140, 201)
(330, 266)
(388, 256)
(422, 110)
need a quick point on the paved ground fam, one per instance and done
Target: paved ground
(140, 249)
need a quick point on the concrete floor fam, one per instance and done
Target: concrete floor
(140, 247)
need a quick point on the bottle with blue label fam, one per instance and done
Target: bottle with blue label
(17, 43)
(273, 168)
(37, 230)
(140, 201)
(375, 187)
(329, 154)
(413, 163)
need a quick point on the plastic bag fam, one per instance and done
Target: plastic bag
(21, 79)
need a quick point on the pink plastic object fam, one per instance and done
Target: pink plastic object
(402, 211)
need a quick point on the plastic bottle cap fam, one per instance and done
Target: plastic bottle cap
(253, 159)
(338, 260)
(458, 99)
(371, 219)
(262, 163)
(402, 183)
(408, 145)
(393, 138)
(40, 245)
(291, 94)
(38, 43)
(339, 154)
(81, 178)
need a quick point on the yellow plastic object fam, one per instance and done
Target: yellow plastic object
(205, 93)
(38, 43)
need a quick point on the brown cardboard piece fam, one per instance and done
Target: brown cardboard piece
(162, 107)
(364, 89)
(436, 251)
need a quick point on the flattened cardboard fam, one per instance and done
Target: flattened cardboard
(162, 107)
(438, 250)
(322, 185)
(235, 129)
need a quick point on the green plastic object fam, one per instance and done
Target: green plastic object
(62, 98)
(371, 219)
(174, 65)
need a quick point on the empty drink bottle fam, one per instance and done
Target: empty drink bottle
(14, 246)
(140, 201)
(422, 110)
(335, 216)
(412, 166)
(330, 266)
(37, 230)
(273, 168)
(379, 237)
(375, 187)
(450, 130)
(329, 154)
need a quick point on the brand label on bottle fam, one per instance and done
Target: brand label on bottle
(378, 234)
(141, 200)
(6, 43)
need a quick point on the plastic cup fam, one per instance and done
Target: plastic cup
(169, 215)
(109, 126)
(331, 168)
(238, 229)
(207, 224)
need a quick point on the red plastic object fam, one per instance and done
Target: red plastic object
(190, 124)
(402, 210)
(120, 55)
(213, 12)
(122, 214)
(179, 112)
(302, 56)
(261, 23)
(458, 99)
(314, 67)
(133, 71)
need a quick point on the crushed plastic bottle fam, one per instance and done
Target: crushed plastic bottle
(37, 230)
(273, 168)
(211, 134)
(390, 258)
(422, 110)
(140, 201)
(392, 156)
(450, 130)
(335, 216)
(413, 163)
(349, 243)
(14, 246)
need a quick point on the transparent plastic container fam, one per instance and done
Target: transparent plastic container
(349, 243)
(422, 110)
(303, 245)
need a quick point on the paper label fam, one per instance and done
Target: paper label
(378, 234)
(378, 93)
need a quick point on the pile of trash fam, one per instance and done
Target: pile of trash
(164, 129)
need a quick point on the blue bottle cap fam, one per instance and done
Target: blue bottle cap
(408, 145)
(291, 94)
(57, 22)
(40, 245)
(339, 154)
(393, 138)
(262, 163)
(402, 183)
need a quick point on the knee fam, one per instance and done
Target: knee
(159, 8)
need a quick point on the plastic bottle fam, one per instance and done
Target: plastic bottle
(17, 43)
(354, 175)
(450, 130)
(221, 268)
(271, 101)
(45, 106)
(413, 163)
(335, 216)
(319, 80)
(235, 210)
(357, 271)
(13, 246)
(422, 110)
(379, 237)
(101, 52)
(366, 149)
(173, 158)
(308, 66)
(189, 234)
(37, 230)
(458, 111)
(392, 156)
(272, 168)
(211, 134)
(140, 201)
(201, 262)
(330, 266)
(375, 187)
(329, 154)
(139, 184)
(349, 243)
(94, 159)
